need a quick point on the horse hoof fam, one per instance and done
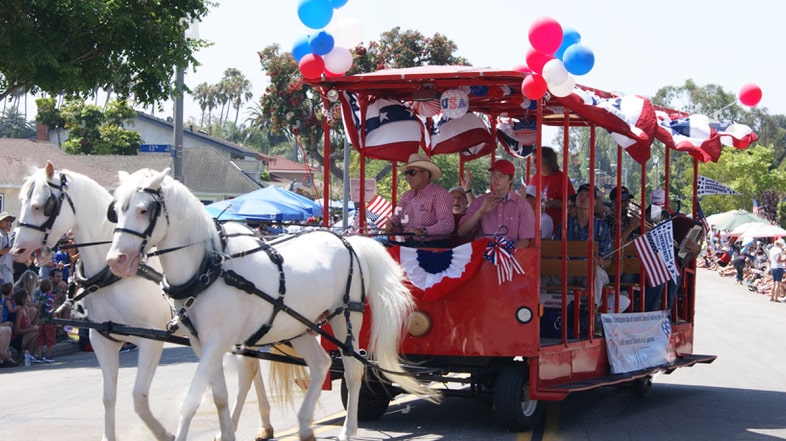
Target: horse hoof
(264, 435)
(309, 438)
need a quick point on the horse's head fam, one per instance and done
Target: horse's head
(142, 220)
(46, 215)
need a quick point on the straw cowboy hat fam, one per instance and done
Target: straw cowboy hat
(4, 215)
(422, 161)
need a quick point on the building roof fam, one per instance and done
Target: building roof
(235, 149)
(205, 170)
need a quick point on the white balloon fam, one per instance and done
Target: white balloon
(563, 89)
(347, 32)
(554, 72)
(338, 61)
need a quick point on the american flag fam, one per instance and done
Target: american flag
(755, 207)
(393, 131)
(701, 217)
(653, 257)
(379, 210)
(630, 120)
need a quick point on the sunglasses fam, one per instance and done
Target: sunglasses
(412, 172)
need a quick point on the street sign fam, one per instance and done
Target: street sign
(155, 148)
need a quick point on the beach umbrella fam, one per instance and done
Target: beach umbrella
(756, 229)
(732, 219)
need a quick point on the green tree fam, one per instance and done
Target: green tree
(93, 130)
(71, 47)
(14, 125)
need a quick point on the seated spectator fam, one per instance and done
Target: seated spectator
(552, 181)
(29, 282)
(578, 229)
(5, 346)
(46, 328)
(502, 211)
(25, 336)
(546, 222)
(424, 212)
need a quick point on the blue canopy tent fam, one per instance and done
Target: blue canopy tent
(266, 204)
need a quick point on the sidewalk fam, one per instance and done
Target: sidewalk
(65, 348)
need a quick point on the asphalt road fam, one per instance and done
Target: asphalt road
(742, 396)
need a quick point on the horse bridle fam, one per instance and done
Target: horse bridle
(52, 208)
(157, 207)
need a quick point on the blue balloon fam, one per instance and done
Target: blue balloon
(321, 43)
(301, 48)
(315, 14)
(570, 37)
(578, 59)
(338, 3)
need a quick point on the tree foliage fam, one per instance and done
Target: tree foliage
(73, 47)
(91, 129)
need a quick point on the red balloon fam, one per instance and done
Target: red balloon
(311, 66)
(545, 35)
(534, 87)
(537, 59)
(750, 95)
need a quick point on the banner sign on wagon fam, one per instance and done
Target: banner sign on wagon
(636, 341)
(711, 186)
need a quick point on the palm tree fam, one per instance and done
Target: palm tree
(202, 94)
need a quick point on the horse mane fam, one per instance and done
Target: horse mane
(89, 198)
(177, 198)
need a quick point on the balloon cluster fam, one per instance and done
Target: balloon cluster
(326, 51)
(750, 95)
(555, 56)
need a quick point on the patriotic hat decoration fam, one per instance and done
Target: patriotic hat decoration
(555, 56)
(325, 52)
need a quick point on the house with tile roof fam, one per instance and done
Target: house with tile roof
(208, 174)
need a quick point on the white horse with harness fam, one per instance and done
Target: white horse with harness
(54, 202)
(232, 288)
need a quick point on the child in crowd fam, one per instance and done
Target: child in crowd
(46, 327)
(25, 333)
(9, 307)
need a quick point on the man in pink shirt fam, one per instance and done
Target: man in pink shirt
(500, 212)
(425, 212)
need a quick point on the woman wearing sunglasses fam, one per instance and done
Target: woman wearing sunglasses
(424, 213)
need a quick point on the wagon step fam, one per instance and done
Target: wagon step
(594, 383)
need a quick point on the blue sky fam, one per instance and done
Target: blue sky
(639, 47)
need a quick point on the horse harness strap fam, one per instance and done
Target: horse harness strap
(233, 279)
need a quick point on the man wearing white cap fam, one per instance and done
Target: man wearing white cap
(424, 211)
(6, 260)
(546, 222)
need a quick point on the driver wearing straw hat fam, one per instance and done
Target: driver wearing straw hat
(425, 211)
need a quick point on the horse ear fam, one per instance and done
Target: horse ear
(50, 170)
(159, 178)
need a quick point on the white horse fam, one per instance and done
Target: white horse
(310, 274)
(54, 202)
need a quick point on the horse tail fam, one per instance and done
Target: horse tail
(391, 303)
(283, 376)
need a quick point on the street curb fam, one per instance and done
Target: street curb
(65, 348)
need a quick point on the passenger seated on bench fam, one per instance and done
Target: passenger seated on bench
(424, 212)
(502, 211)
(578, 229)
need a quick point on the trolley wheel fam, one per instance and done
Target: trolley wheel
(642, 386)
(373, 402)
(513, 408)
